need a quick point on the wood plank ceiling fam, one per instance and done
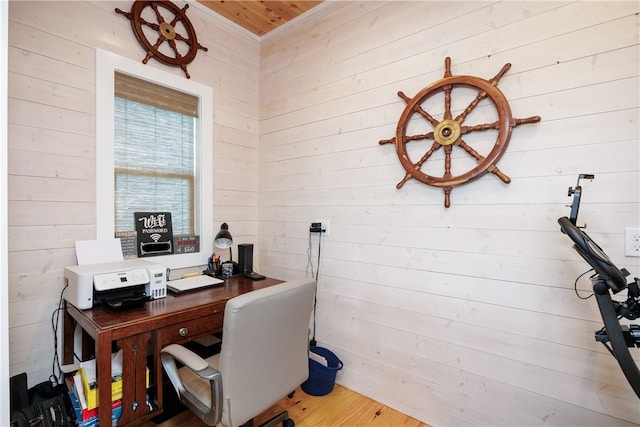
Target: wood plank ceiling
(260, 17)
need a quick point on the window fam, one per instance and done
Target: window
(154, 153)
(151, 142)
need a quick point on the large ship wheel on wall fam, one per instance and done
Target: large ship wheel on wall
(449, 131)
(141, 16)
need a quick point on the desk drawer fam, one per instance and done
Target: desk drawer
(190, 329)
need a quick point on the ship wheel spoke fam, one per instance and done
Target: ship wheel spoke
(447, 89)
(462, 116)
(434, 147)
(486, 126)
(159, 17)
(479, 158)
(418, 109)
(150, 52)
(526, 120)
(482, 94)
(172, 43)
(406, 139)
(151, 25)
(181, 38)
(447, 161)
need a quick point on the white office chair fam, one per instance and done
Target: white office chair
(264, 357)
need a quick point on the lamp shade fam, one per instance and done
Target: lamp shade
(223, 239)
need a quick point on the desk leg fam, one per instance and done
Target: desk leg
(157, 372)
(103, 375)
(134, 377)
(68, 343)
(88, 346)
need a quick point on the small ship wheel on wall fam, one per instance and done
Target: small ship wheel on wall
(449, 131)
(152, 31)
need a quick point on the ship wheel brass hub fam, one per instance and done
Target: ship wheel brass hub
(167, 31)
(449, 131)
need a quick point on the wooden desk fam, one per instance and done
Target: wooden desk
(141, 333)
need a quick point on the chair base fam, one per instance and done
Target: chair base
(282, 417)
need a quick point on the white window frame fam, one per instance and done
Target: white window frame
(107, 63)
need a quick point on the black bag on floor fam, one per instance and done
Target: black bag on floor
(45, 413)
(50, 407)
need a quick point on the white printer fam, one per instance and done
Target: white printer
(118, 285)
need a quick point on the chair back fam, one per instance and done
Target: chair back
(265, 347)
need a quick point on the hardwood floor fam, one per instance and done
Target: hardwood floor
(341, 407)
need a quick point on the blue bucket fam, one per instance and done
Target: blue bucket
(321, 378)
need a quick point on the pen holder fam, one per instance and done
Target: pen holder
(227, 269)
(214, 265)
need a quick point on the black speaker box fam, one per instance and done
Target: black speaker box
(245, 258)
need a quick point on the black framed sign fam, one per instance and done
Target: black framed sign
(155, 234)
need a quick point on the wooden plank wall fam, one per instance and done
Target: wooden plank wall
(455, 316)
(51, 176)
(467, 315)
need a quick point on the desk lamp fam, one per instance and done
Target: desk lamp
(223, 239)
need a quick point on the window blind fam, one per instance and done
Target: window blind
(155, 95)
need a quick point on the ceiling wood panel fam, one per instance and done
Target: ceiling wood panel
(260, 17)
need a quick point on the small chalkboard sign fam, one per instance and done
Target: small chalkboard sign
(186, 244)
(155, 234)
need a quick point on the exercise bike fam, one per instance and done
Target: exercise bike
(608, 280)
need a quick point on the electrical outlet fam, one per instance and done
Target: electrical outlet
(632, 241)
(325, 226)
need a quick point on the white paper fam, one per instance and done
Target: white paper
(98, 251)
(77, 381)
(90, 366)
(89, 369)
(320, 359)
(116, 364)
